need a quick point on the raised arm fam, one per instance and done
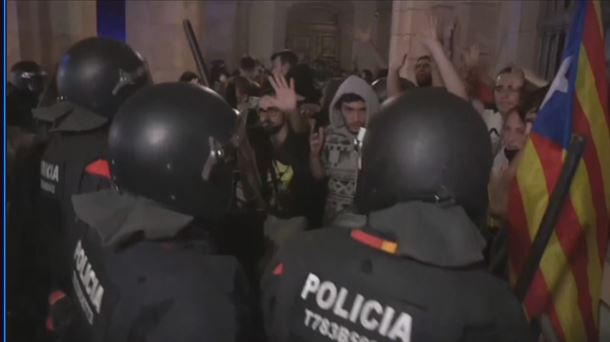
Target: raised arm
(429, 37)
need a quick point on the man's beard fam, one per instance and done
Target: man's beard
(269, 128)
(424, 80)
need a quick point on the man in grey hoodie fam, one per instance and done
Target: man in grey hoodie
(333, 152)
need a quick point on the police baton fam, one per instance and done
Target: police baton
(196, 51)
(551, 216)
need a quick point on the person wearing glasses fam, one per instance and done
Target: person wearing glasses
(293, 196)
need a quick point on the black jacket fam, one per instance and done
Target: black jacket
(77, 140)
(414, 274)
(135, 271)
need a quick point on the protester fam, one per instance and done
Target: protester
(334, 155)
(292, 192)
(189, 77)
(428, 35)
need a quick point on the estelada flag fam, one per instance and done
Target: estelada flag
(567, 284)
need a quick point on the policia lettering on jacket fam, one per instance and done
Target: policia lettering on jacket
(85, 280)
(368, 313)
(49, 176)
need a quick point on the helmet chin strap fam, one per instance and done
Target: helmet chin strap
(218, 153)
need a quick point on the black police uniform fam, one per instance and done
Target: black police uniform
(416, 271)
(95, 76)
(153, 287)
(366, 285)
(27, 272)
(79, 139)
(140, 261)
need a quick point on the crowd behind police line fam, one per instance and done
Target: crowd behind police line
(243, 211)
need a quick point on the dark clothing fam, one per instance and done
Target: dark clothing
(19, 105)
(64, 162)
(127, 287)
(63, 174)
(407, 277)
(26, 246)
(78, 139)
(291, 189)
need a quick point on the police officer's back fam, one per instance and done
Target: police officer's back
(415, 272)
(141, 264)
(94, 77)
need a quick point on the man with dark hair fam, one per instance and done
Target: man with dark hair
(283, 61)
(291, 191)
(423, 71)
(189, 77)
(247, 68)
(333, 153)
(247, 74)
(367, 75)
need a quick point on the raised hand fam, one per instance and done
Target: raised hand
(285, 98)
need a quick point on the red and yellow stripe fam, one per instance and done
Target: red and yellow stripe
(567, 286)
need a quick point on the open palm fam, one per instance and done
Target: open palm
(285, 98)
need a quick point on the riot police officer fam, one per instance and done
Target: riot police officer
(140, 262)
(25, 304)
(93, 78)
(25, 84)
(415, 272)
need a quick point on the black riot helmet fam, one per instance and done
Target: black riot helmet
(99, 74)
(425, 145)
(28, 76)
(172, 143)
(380, 86)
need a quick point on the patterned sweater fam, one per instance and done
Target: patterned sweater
(340, 155)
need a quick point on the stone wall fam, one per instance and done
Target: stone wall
(43, 30)
(154, 28)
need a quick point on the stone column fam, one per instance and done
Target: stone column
(47, 28)
(220, 28)
(154, 28)
(262, 25)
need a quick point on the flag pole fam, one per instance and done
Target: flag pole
(551, 216)
(201, 68)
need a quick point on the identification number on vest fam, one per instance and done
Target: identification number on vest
(332, 330)
(367, 315)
